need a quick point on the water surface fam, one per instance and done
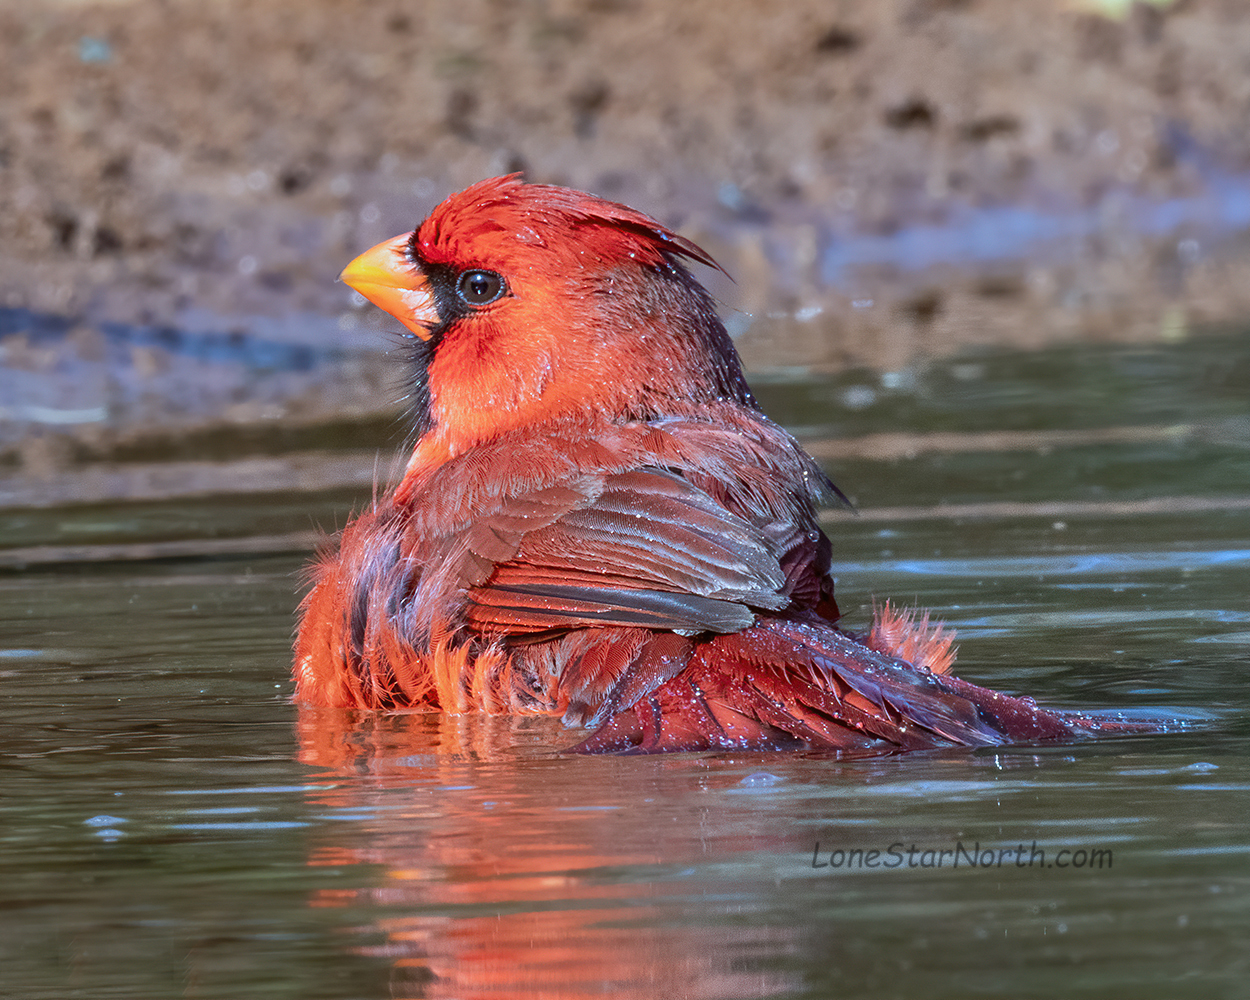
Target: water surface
(173, 826)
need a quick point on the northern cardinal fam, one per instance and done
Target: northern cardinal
(597, 521)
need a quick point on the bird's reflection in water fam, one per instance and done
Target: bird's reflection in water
(502, 869)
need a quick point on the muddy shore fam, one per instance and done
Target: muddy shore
(181, 182)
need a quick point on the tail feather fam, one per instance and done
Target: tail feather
(787, 683)
(897, 633)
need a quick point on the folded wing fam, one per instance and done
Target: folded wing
(647, 549)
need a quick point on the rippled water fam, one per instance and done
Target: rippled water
(173, 826)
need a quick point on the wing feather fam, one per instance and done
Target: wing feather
(691, 524)
(647, 549)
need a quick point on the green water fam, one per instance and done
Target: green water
(170, 825)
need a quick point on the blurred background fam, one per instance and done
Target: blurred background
(180, 184)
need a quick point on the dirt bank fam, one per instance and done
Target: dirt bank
(180, 182)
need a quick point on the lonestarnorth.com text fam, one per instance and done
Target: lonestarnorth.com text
(901, 855)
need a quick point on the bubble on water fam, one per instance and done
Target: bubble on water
(105, 827)
(104, 821)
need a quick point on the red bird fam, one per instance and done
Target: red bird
(597, 521)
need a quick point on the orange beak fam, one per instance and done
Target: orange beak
(384, 276)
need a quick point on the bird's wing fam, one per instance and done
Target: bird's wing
(645, 547)
(688, 525)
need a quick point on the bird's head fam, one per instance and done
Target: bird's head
(530, 303)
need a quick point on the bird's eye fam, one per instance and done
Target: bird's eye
(479, 288)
